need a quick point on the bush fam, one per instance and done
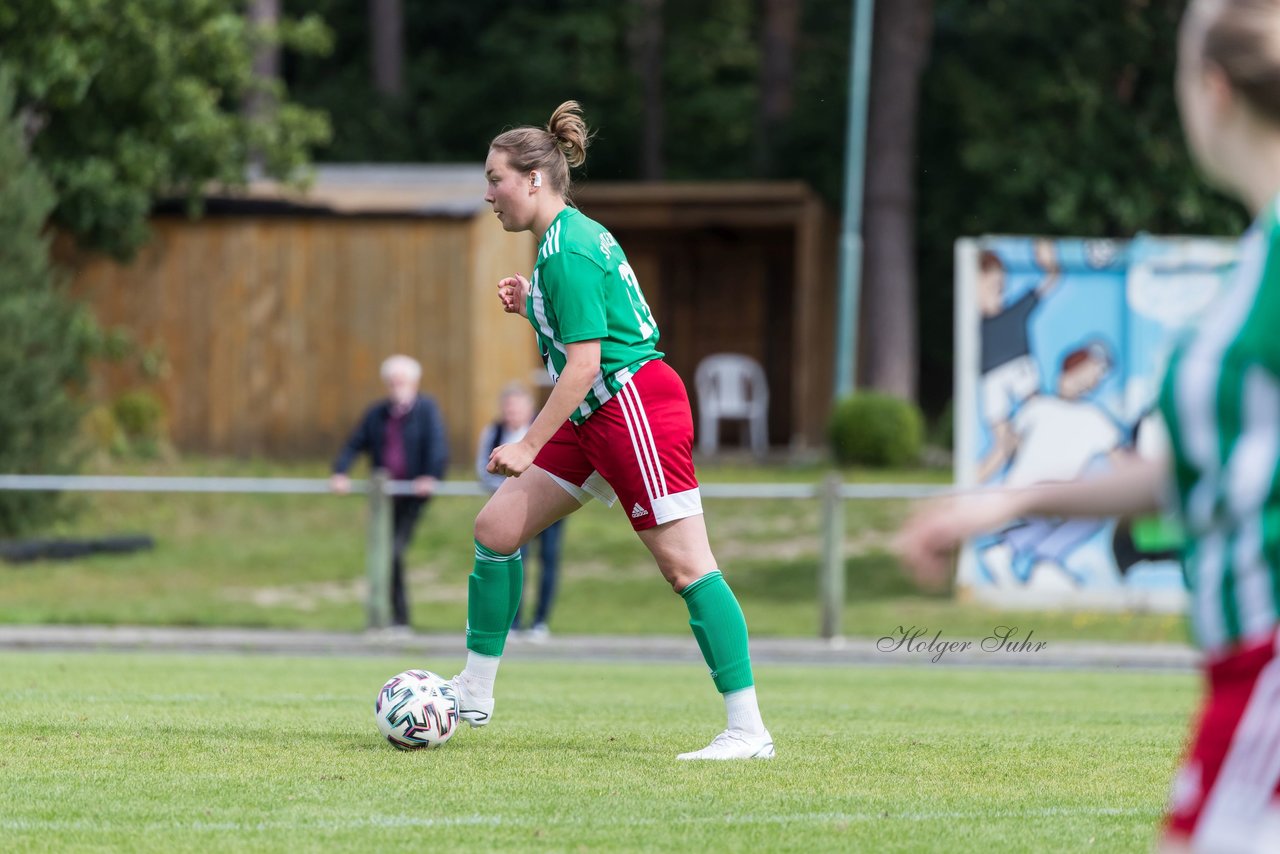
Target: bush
(101, 432)
(141, 418)
(876, 430)
(47, 339)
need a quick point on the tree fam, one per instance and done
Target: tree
(132, 99)
(900, 48)
(386, 23)
(779, 33)
(1050, 117)
(264, 16)
(1035, 116)
(46, 337)
(646, 47)
(475, 69)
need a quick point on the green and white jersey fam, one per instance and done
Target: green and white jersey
(583, 289)
(1221, 401)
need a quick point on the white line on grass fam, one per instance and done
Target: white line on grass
(397, 821)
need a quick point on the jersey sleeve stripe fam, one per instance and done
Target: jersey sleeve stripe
(1250, 478)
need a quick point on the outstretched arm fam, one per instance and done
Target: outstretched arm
(357, 443)
(1048, 262)
(582, 366)
(927, 541)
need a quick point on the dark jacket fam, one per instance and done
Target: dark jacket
(426, 448)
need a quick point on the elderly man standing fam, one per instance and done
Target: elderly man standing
(405, 435)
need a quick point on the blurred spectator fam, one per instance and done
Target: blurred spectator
(405, 435)
(516, 414)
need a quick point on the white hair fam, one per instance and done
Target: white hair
(514, 389)
(398, 363)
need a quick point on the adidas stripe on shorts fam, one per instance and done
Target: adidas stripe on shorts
(636, 449)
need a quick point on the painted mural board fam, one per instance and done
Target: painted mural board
(1061, 346)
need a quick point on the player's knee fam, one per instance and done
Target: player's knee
(492, 534)
(680, 577)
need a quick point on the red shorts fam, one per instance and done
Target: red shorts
(637, 447)
(1225, 794)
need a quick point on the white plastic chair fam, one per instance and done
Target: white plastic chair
(732, 386)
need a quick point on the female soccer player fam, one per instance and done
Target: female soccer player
(617, 425)
(1221, 401)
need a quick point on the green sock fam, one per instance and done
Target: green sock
(493, 594)
(721, 631)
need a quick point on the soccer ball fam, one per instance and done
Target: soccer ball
(416, 709)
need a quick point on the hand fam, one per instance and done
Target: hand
(511, 460)
(1044, 255)
(424, 486)
(929, 539)
(339, 484)
(513, 291)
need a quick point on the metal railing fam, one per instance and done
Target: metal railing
(832, 492)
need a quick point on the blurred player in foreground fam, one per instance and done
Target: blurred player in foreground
(617, 425)
(1221, 401)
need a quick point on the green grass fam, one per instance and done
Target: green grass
(148, 752)
(298, 561)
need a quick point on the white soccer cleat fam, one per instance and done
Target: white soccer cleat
(472, 709)
(735, 744)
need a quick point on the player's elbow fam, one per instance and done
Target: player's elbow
(583, 362)
(581, 377)
(585, 368)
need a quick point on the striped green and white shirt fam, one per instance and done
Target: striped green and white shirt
(1221, 401)
(584, 289)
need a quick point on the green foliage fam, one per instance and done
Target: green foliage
(1049, 117)
(140, 416)
(128, 100)
(1059, 117)
(101, 433)
(1037, 116)
(710, 79)
(471, 70)
(876, 430)
(46, 339)
(474, 69)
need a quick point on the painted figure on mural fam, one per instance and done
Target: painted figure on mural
(1053, 437)
(1009, 371)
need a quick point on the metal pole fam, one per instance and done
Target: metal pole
(831, 573)
(850, 277)
(378, 553)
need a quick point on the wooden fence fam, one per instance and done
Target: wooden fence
(272, 328)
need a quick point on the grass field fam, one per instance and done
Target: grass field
(180, 753)
(297, 561)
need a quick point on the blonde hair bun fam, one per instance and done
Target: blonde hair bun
(570, 132)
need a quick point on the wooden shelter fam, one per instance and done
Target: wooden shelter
(737, 267)
(274, 310)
